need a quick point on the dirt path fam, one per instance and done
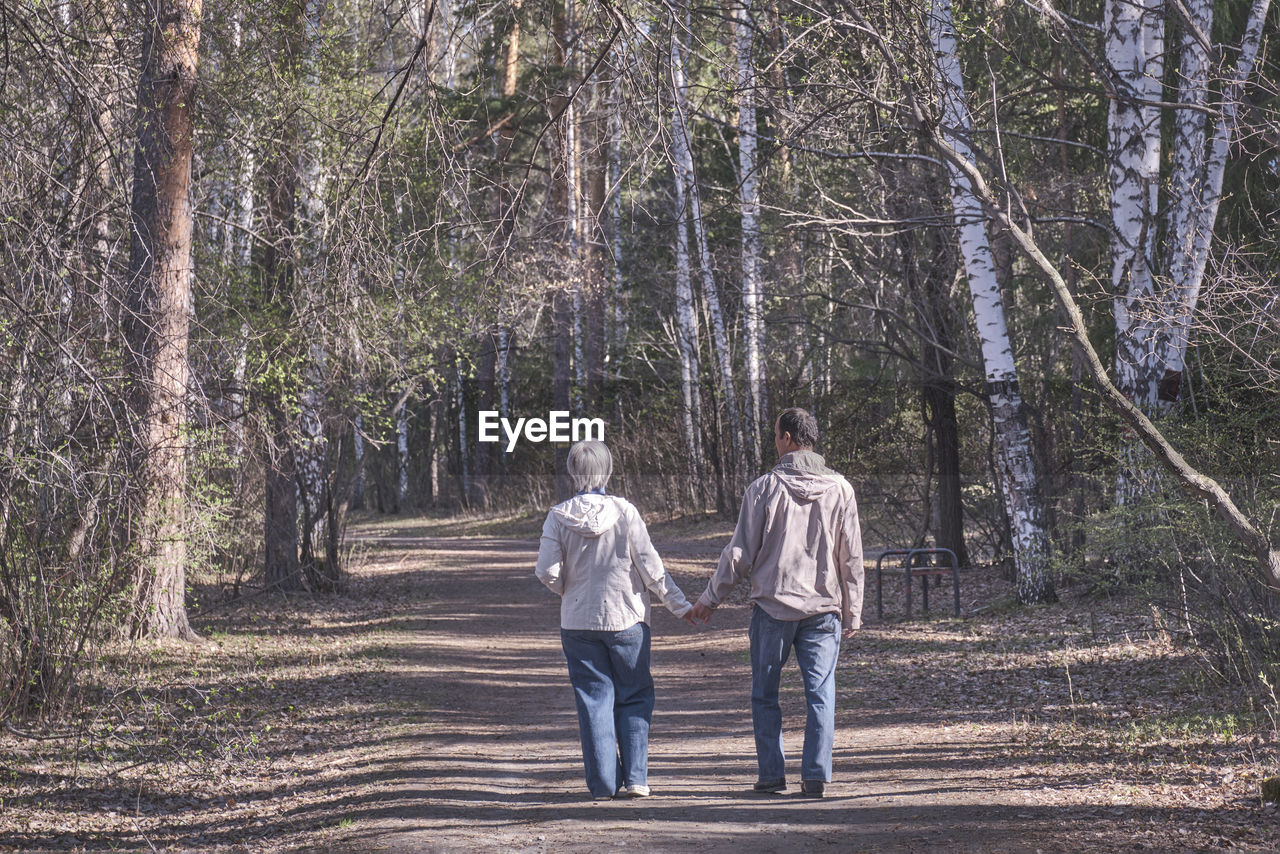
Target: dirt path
(427, 708)
(487, 756)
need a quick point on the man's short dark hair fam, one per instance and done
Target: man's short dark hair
(802, 426)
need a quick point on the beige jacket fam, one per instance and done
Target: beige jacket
(798, 542)
(596, 553)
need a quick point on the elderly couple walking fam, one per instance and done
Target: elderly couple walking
(798, 544)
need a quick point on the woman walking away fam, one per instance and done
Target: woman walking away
(596, 554)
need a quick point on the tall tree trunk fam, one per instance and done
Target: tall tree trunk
(1134, 35)
(561, 323)
(486, 377)
(1187, 172)
(1197, 178)
(561, 299)
(433, 443)
(929, 283)
(618, 329)
(686, 316)
(1135, 50)
(749, 196)
(315, 465)
(402, 453)
(595, 249)
(464, 441)
(279, 271)
(357, 449)
(158, 306)
(1016, 462)
(683, 151)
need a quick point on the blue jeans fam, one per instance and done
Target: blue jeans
(817, 643)
(609, 672)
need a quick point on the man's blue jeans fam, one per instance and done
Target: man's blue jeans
(609, 672)
(817, 643)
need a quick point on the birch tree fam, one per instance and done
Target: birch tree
(682, 151)
(686, 317)
(1015, 460)
(157, 309)
(1134, 32)
(749, 196)
(1196, 181)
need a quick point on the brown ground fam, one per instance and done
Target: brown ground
(429, 709)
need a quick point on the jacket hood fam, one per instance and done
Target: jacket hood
(806, 476)
(590, 515)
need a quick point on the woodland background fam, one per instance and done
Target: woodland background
(261, 264)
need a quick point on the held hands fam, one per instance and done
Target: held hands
(847, 634)
(698, 614)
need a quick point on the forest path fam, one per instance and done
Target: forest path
(486, 756)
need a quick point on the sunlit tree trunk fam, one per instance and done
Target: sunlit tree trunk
(749, 196)
(683, 150)
(1187, 172)
(402, 453)
(1015, 460)
(157, 310)
(1134, 34)
(686, 316)
(464, 441)
(1197, 177)
(315, 467)
(618, 332)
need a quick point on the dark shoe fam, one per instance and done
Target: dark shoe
(811, 788)
(779, 785)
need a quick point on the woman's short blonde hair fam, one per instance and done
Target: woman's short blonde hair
(590, 465)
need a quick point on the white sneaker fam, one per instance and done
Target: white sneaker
(636, 791)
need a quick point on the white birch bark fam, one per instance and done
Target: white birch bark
(504, 374)
(435, 453)
(1134, 32)
(357, 448)
(619, 330)
(573, 179)
(1192, 231)
(1017, 475)
(1187, 171)
(749, 195)
(719, 336)
(402, 452)
(238, 249)
(464, 445)
(686, 317)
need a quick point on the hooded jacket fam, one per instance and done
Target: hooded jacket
(596, 553)
(798, 542)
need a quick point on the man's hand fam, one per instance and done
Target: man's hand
(700, 614)
(848, 634)
(688, 618)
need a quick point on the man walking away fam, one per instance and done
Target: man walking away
(799, 545)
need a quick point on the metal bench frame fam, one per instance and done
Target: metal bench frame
(922, 572)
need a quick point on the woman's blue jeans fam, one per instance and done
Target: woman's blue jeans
(817, 644)
(613, 688)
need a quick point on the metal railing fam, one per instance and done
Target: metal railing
(923, 572)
